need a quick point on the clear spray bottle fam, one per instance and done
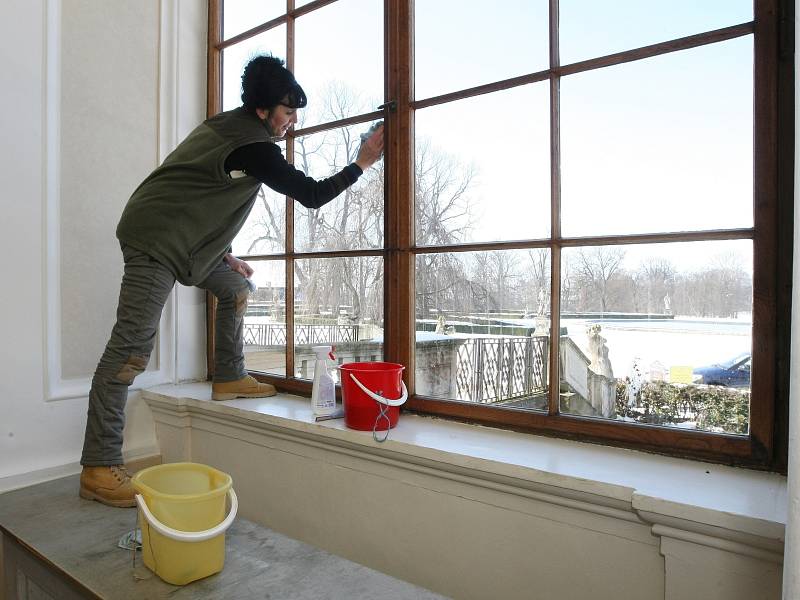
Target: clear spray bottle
(323, 392)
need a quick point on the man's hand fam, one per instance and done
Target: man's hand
(238, 265)
(370, 150)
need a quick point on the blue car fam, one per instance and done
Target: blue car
(734, 372)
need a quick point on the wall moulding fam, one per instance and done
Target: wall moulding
(295, 457)
(56, 385)
(463, 475)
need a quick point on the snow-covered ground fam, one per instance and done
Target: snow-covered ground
(679, 342)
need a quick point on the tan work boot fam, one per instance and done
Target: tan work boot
(109, 485)
(246, 387)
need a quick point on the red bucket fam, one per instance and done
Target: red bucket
(372, 393)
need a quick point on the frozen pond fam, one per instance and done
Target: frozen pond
(681, 342)
(674, 342)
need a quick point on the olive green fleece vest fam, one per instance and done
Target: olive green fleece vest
(187, 212)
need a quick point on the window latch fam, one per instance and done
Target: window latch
(391, 106)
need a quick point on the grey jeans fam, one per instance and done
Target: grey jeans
(146, 285)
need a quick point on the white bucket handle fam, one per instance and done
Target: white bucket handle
(189, 536)
(401, 400)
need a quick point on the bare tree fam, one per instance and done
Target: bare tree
(496, 276)
(537, 285)
(596, 268)
(355, 220)
(443, 216)
(723, 289)
(270, 224)
(653, 287)
(443, 212)
(593, 278)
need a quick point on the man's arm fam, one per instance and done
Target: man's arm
(264, 161)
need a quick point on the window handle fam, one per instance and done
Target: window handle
(391, 106)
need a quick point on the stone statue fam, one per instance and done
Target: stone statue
(598, 352)
(602, 385)
(634, 381)
(441, 324)
(541, 300)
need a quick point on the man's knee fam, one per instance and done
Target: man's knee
(135, 364)
(241, 302)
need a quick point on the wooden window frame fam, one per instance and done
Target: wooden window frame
(766, 446)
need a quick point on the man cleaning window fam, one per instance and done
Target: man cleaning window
(179, 225)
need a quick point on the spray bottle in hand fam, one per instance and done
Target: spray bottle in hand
(323, 392)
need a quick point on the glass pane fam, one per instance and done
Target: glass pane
(237, 56)
(265, 320)
(338, 302)
(481, 327)
(473, 185)
(589, 29)
(339, 59)
(241, 15)
(664, 144)
(658, 334)
(461, 44)
(354, 219)
(264, 232)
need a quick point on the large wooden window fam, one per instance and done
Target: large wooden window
(581, 226)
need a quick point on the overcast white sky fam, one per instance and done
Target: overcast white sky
(658, 145)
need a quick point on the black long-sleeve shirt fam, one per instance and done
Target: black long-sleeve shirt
(265, 162)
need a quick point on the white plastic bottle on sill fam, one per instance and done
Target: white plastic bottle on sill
(323, 392)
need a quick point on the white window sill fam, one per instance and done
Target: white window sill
(737, 506)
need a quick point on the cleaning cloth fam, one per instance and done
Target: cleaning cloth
(366, 135)
(131, 540)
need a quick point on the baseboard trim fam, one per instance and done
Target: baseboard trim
(135, 460)
(142, 462)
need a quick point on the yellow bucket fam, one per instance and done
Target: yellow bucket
(183, 521)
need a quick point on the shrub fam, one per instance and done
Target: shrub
(711, 408)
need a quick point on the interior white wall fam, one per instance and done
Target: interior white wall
(107, 146)
(21, 382)
(94, 96)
